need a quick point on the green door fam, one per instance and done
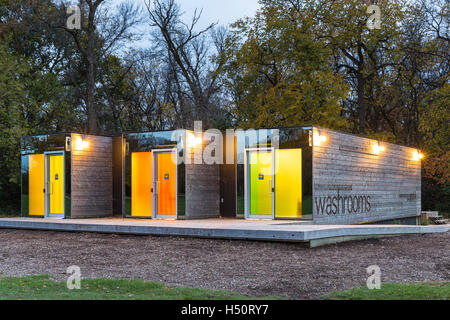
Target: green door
(260, 184)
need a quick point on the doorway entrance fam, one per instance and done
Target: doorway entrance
(273, 183)
(154, 186)
(165, 184)
(259, 183)
(54, 184)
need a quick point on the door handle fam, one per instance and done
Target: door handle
(272, 189)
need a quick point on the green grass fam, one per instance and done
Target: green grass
(397, 291)
(43, 288)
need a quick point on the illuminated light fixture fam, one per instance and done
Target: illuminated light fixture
(319, 140)
(417, 155)
(377, 149)
(68, 144)
(81, 143)
(193, 141)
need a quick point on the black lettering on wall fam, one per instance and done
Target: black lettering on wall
(320, 205)
(335, 206)
(332, 205)
(328, 205)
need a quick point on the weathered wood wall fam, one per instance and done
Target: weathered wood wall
(351, 184)
(92, 177)
(202, 188)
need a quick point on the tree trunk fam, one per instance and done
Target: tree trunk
(90, 81)
(90, 103)
(362, 109)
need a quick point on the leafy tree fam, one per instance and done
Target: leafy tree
(12, 93)
(29, 87)
(279, 72)
(363, 56)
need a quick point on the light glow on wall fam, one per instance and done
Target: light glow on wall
(319, 139)
(378, 149)
(193, 141)
(417, 155)
(81, 144)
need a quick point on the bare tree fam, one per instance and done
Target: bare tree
(437, 13)
(193, 57)
(102, 32)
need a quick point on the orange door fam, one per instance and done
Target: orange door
(166, 183)
(141, 184)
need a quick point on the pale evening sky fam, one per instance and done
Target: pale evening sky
(222, 11)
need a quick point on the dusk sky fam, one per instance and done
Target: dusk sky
(222, 11)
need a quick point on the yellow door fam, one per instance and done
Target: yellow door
(260, 182)
(141, 184)
(288, 183)
(56, 184)
(166, 184)
(36, 186)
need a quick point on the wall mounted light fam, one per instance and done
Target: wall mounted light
(193, 141)
(127, 148)
(377, 148)
(319, 139)
(417, 155)
(81, 143)
(68, 144)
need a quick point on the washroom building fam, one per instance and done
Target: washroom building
(163, 180)
(319, 175)
(305, 173)
(143, 175)
(67, 175)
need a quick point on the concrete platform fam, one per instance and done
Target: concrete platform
(292, 231)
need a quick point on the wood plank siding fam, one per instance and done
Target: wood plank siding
(92, 177)
(202, 187)
(352, 184)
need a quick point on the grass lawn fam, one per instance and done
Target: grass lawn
(397, 291)
(42, 288)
